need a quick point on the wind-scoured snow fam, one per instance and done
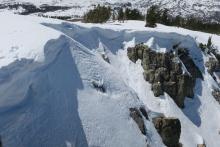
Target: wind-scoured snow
(46, 92)
(51, 102)
(20, 40)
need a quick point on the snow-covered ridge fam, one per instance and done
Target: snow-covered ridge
(46, 95)
(208, 9)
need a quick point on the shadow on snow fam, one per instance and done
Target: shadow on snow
(42, 106)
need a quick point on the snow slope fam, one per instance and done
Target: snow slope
(195, 118)
(51, 102)
(46, 95)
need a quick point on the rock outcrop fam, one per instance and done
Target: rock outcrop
(105, 58)
(212, 66)
(216, 95)
(136, 115)
(183, 54)
(157, 89)
(201, 145)
(164, 71)
(169, 129)
(144, 112)
(98, 85)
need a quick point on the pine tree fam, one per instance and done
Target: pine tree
(127, 13)
(164, 17)
(152, 16)
(99, 14)
(209, 44)
(113, 15)
(121, 15)
(177, 21)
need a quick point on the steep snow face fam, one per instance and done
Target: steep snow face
(52, 102)
(47, 97)
(117, 37)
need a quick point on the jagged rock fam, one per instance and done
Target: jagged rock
(157, 77)
(99, 86)
(176, 68)
(132, 54)
(163, 60)
(217, 56)
(189, 64)
(201, 145)
(164, 72)
(161, 74)
(149, 75)
(146, 59)
(170, 88)
(149, 60)
(173, 76)
(169, 130)
(212, 65)
(105, 57)
(157, 89)
(144, 112)
(203, 47)
(140, 49)
(216, 95)
(136, 116)
(185, 86)
(137, 52)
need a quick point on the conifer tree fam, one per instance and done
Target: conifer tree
(113, 15)
(209, 44)
(164, 17)
(177, 21)
(99, 14)
(152, 16)
(121, 15)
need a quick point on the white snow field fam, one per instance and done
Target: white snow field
(47, 99)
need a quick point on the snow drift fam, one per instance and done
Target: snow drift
(47, 97)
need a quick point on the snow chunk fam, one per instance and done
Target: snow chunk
(130, 43)
(151, 43)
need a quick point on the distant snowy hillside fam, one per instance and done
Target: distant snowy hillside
(207, 9)
(72, 85)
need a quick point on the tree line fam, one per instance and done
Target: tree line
(129, 14)
(101, 14)
(154, 15)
